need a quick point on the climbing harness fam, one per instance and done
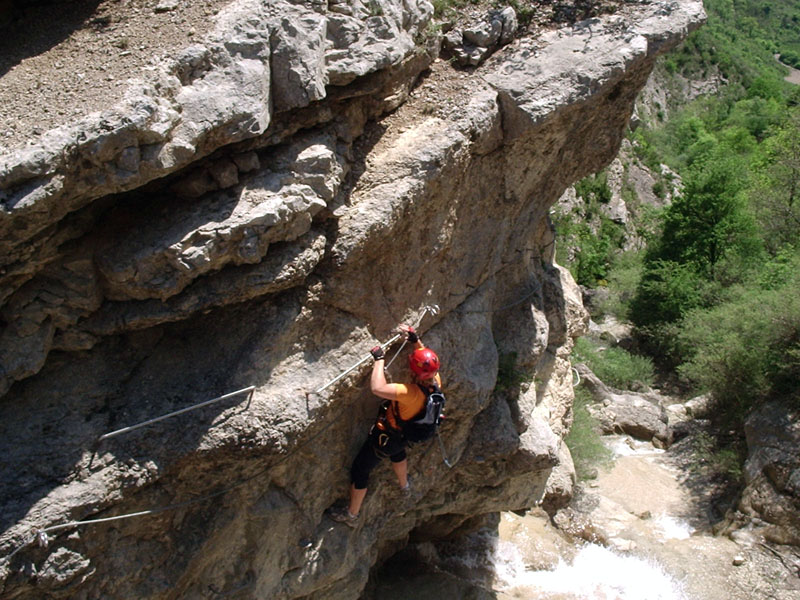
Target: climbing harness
(432, 309)
(105, 436)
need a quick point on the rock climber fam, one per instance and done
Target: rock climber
(404, 402)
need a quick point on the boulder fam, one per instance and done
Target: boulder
(474, 43)
(642, 416)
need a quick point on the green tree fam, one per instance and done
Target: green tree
(666, 291)
(739, 140)
(596, 252)
(594, 187)
(775, 193)
(708, 240)
(766, 87)
(710, 219)
(757, 114)
(748, 349)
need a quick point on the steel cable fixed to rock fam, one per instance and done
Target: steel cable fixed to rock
(433, 309)
(41, 535)
(111, 434)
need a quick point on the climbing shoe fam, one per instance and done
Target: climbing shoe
(342, 515)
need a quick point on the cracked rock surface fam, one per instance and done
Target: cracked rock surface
(256, 209)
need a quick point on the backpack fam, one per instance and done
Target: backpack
(425, 423)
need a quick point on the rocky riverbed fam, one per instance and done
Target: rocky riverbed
(641, 531)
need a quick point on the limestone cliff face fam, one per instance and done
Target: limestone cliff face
(260, 211)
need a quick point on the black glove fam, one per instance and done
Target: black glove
(412, 335)
(377, 353)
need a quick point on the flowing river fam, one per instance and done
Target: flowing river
(649, 538)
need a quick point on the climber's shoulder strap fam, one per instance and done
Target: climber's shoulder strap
(425, 423)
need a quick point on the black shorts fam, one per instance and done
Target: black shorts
(378, 446)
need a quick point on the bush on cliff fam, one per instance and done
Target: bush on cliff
(593, 240)
(623, 277)
(584, 439)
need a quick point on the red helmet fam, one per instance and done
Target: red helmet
(423, 362)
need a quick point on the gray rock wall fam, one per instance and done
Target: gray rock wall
(771, 498)
(259, 212)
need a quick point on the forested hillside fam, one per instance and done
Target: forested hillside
(712, 287)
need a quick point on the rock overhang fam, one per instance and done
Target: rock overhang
(450, 210)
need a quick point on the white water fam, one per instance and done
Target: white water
(672, 528)
(596, 573)
(622, 445)
(640, 509)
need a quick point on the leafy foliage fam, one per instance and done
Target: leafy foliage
(594, 187)
(447, 9)
(709, 221)
(667, 290)
(716, 291)
(748, 349)
(740, 39)
(584, 440)
(775, 189)
(525, 10)
(711, 456)
(615, 366)
(623, 277)
(791, 58)
(595, 238)
(508, 376)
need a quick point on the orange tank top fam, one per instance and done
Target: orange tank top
(410, 400)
